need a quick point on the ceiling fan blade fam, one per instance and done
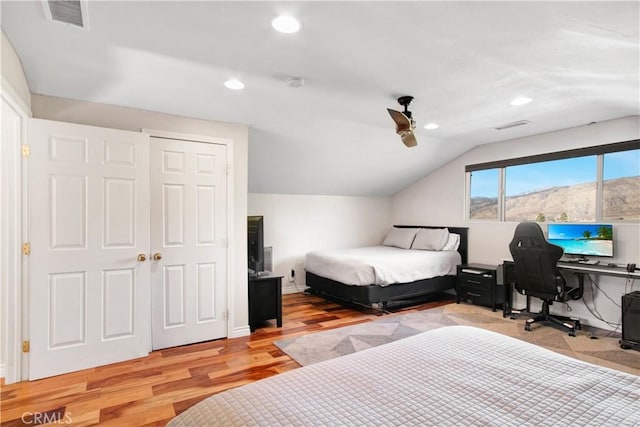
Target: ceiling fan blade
(402, 121)
(409, 139)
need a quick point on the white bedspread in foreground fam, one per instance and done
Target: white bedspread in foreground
(381, 265)
(456, 376)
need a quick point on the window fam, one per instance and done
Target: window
(621, 186)
(484, 194)
(583, 185)
(557, 190)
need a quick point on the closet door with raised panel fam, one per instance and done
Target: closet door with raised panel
(188, 241)
(88, 269)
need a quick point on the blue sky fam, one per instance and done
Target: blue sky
(624, 163)
(537, 176)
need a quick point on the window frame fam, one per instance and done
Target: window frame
(599, 151)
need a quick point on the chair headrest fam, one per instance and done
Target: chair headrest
(529, 235)
(529, 230)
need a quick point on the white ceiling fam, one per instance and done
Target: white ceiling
(462, 61)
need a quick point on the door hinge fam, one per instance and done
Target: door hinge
(26, 150)
(26, 346)
(26, 249)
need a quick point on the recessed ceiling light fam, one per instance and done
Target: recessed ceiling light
(521, 100)
(431, 126)
(295, 82)
(286, 24)
(234, 84)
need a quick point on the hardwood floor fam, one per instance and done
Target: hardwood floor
(150, 391)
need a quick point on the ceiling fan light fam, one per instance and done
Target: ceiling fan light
(234, 84)
(431, 126)
(286, 24)
(521, 100)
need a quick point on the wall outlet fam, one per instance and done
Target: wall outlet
(292, 275)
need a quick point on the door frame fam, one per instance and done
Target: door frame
(14, 307)
(229, 239)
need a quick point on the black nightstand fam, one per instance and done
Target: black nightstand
(477, 284)
(265, 300)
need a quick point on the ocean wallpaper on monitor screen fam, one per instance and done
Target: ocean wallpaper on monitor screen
(582, 239)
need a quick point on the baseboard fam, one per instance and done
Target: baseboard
(242, 331)
(3, 373)
(290, 288)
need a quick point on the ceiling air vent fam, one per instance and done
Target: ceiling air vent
(67, 11)
(512, 124)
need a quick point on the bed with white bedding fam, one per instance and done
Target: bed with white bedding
(452, 376)
(381, 265)
(414, 261)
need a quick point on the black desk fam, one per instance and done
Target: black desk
(579, 269)
(265, 300)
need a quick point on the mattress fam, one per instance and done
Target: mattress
(451, 376)
(381, 265)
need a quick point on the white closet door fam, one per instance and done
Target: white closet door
(88, 221)
(188, 229)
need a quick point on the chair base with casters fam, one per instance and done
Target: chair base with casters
(568, 323)
(536, 274)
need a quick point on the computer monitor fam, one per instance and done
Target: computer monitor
(582, 240)
(255, 244)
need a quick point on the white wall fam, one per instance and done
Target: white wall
(14, 80)
(297, 224)
(66, 110)
(439, 198)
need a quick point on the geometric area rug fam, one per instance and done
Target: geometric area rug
(320, 346)
(592, 345)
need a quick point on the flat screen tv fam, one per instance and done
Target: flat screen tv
(582, 240)
(255, 244)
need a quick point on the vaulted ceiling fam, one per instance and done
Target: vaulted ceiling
(463, 62)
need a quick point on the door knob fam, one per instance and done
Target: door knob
(142, 257)
(157, 256)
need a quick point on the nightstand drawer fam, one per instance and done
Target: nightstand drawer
(476, 294)
(482, 280)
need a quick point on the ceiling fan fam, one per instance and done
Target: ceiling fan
(405, 124)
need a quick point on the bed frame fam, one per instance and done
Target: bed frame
(380, 297)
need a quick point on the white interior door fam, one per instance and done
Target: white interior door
(88, 221)
(189, 231)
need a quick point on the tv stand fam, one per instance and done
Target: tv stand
(265, 299)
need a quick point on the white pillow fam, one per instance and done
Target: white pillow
(431, 239)
(400, 237)
(453, 243)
